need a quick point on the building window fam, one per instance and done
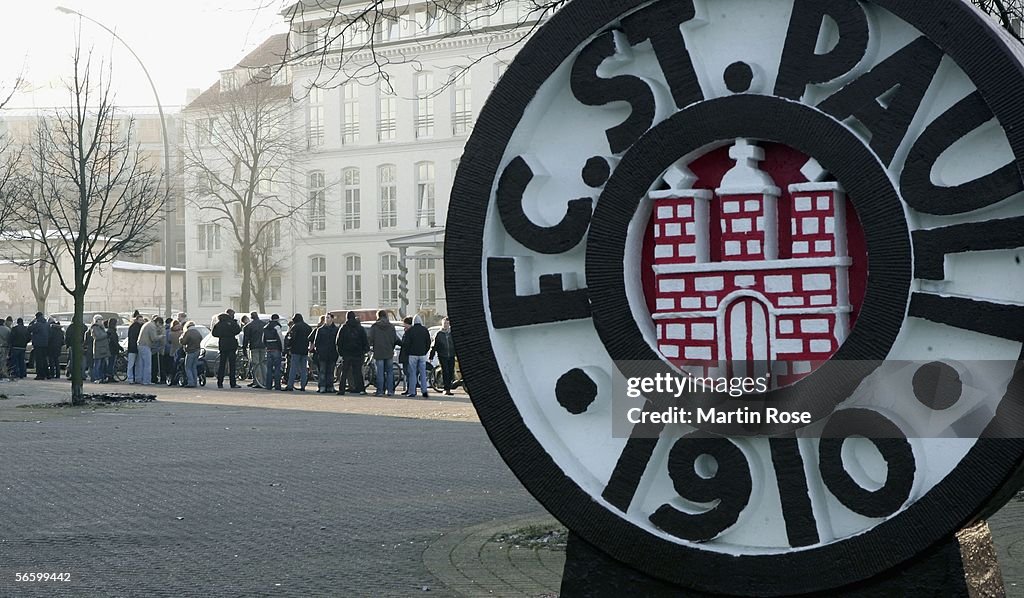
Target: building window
(317, 202)
(387, 28)
(350, 113)
(350, 178)
(209, 289)
(208, 237)
(270, 233)
(499, 70)
(274, 288)
(318, 288)
(475, 14)
(387, 107)
(389, 279)
(204, 130)
(353, 281)
(315, 117)
(426, 278)
(179, 254)
(424, 194)
(424, 105)
(462, 102)
(388, 212)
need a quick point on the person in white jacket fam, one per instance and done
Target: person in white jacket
(151, 339)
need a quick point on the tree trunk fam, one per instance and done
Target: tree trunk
(77, 332)
(246, 298)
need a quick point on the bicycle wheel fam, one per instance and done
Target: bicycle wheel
(121, 368)
(437, 379)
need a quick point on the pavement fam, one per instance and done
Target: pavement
(239, 493)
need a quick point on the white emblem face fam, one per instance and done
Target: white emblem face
(781, 190)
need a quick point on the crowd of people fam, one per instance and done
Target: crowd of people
(279, 355)
(283, 354)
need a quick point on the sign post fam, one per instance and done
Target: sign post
(738, 289)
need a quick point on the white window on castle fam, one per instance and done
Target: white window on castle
(209, 289)
(389, 279)
(426, 282)
(475, 15)
(424, 194)
(387, 107)
(317, 208)
(350, 180)
(509, 13)
(424, 105)
(350, 113)
(315, 117)
(318, 281)
(462, 102)
(387, 213)
(435, 22)
(353, 281)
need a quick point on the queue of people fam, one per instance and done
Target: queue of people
(280, 355)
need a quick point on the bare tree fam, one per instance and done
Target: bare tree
(269, 258)
(238, 158)
(96, 198)
(1009, 13)
(347, 42)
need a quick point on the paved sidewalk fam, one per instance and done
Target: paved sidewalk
(241, 492)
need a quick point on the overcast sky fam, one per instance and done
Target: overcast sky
(183, 44)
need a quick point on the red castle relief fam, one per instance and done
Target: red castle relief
(751, 305)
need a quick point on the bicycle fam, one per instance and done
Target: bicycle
(457, 381)
(121, 367)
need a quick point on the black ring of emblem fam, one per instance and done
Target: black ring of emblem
(979, 481)
(840, 152)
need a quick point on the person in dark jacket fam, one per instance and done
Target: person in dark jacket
(325, 341)
(417, 343)
(227, 330)
(133, 348)
(403, 353)
(40, 330)
(352, 346)
(114, 341)
(53, 349)
(383, 340)
(298, 349)
(444, 348)
(252, 341)
(20, 336)
(273, 343)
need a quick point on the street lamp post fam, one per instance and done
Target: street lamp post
(168, 230)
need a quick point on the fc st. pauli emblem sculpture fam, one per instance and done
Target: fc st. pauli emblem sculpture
(823, 195)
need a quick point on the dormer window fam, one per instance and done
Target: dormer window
(228, 81)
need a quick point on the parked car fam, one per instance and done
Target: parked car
(65, 317)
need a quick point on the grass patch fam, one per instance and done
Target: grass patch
(551, 537)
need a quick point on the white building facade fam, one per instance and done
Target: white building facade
(377, 160)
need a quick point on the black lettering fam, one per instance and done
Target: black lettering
(552, 304)
(592, 90)
(891, 443)
(916, 181)
(791, 479)
(550, 240)
(728, 485)
(931, 246)
(660, 22)
(632, 463)
(801, 65)
(902, 79)
(1000, 320)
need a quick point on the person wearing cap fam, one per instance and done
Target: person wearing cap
(20, 337)
(353, 345)
(252, 341)
(40, 331)
(100, 349)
